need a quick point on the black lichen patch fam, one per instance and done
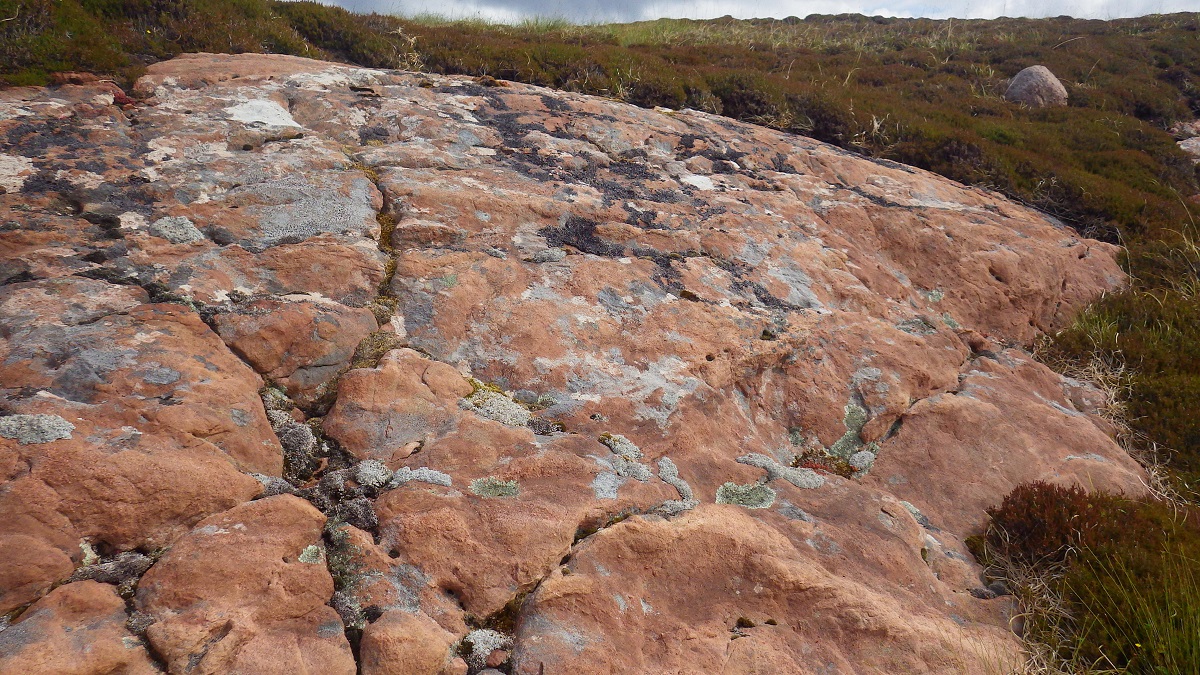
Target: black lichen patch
(580, 233)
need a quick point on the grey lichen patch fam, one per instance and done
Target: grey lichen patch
(917, 326)
(240, 417)
(850, 443)
(548, 255)
(949, 321)
(621, 446)
(497, 407)
(479, 643)
(800, 477)
(405, 475)
(669, 473)
(273, 485)
(34, 429)
(606, 484)
(372, 473)
(921, 518)
(934, 295)
(176, 229)
(753, 496)
(862, 460)
(490, 486)
(626, 462)
(312, 554)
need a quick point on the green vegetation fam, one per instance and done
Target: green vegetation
(1111, 581)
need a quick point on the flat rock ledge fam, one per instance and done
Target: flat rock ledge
(313, 368)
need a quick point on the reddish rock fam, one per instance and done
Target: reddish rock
(651, 595)
(679, 308)
(400, 643)
(78, 629)
(300, 345)
(159, 417)
(246, 592)
(386, 412)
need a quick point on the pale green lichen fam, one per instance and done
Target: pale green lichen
(935, 295)
(626, 463)
(669, 473)
(621, 446)
(90, 557)
(917, 326)
(424, 474)
(850, 443)
(800, 477)
(35, 429)
(753, 496)
(372, 473)
(312, 554)
(496, 406)
(490, 486)
(949, 321)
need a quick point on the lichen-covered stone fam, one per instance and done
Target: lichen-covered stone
(176, 229)
(31, 429)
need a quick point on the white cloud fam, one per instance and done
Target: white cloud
(634, 10)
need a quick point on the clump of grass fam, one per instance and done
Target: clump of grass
(1105, 583)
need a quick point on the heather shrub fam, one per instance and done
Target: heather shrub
(1106, 582)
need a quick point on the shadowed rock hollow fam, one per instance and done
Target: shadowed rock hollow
(496, 376)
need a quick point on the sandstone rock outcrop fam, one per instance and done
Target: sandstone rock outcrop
(1036, 87)
(500, 377)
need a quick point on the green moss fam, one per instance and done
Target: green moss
(372, 348)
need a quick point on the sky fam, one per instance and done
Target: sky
(587, 11)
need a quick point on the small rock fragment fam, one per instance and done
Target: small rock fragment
(176, 229)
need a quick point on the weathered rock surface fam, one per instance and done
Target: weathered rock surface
(621, 390)
(1036, 87)
(77, 629)
(246, 591)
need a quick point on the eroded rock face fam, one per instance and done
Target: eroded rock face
(618, 386)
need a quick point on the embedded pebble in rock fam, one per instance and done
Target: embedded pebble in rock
(406, 644)
(733, 300)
